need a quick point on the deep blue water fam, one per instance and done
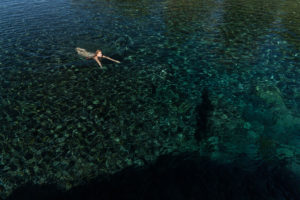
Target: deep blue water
(57, 108)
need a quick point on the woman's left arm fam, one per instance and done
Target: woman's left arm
(110, 59)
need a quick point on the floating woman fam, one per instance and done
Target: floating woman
(98, 54)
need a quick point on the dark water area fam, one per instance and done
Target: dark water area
(221, 78)
(185, 176)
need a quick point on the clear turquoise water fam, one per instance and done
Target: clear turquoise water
(244, 53)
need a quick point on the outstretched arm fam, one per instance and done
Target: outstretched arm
(110, 59)
(97, 60)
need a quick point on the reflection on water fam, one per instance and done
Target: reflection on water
(288, 23)
(218, 77)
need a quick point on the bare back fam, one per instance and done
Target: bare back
(84, 53)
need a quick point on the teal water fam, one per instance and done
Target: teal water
(218, 77)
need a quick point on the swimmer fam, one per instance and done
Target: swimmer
(98, 54)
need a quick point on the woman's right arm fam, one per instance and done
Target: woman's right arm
(97, 60)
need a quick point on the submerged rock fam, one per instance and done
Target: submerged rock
(284, 119)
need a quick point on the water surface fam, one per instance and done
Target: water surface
(218, 77)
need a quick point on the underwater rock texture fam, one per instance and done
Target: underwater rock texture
(183, 176)
(63, 119)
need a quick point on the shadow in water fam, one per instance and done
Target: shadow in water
(203, 111)
(181, 176)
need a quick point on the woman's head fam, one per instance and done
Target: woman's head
(99, 53)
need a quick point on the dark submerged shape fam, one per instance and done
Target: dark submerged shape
(203, 111)
(183, 176)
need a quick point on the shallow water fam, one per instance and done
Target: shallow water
(61, 113)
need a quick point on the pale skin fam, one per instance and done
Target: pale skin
(98, 55)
